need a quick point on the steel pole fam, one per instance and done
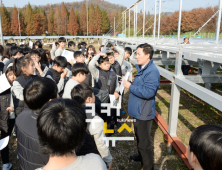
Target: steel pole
(154, 27)
(134, 20)
(1, 31)
(144, 15)
(179, 21)
(87, 17)
(125, 24)
(159, 19)
(218, 22)
(114, 27)
(129, 22)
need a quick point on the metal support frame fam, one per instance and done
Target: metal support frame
(114, 27)
(125, 23)
(154, 26)
(136, 20)
(134, 12)
(129, 22)
(144, 16)
(1, 31)
(159, 19)
(218, 21)
(179, 21)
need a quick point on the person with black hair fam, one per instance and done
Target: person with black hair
(90, 53)
(94, 143)
(205, 148)
(40, 68)
(55, 46)
(37, 45)
(42, 54)
(7, 118)
(15, 52)
(62, 45)
(67, 124)
(141, 104)
(6, 53)
(71, 46)
(24, 69)
(79, 58)
(26, 51)
(79, 72)
(105, 79)
(58, 72)
(37, 93)
(22, 46)
(1, 52)
(115, 64)
(49, 58)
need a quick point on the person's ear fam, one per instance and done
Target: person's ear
(193, 158)
(23, 69)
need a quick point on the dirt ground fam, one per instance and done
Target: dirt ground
(193, 112)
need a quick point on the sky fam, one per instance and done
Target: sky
(167, 5)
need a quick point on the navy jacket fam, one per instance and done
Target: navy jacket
(143, 90)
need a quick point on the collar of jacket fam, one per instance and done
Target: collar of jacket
(138, 67)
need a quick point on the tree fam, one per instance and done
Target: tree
(14, 22)
(83, 20)
(73, 26)
(64, 19)
(6, 24)
(29, 20)
(92, 19)
(104, 22)
(44, 19)
(57, 20)
(38, 24)
(51, 21)
(98, 18)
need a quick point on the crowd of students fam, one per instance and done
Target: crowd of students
(47, 102)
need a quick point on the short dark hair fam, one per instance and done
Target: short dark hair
(128, 50)
(79, 68)
(14, 50)
(22, 46)
(39, 91)
(80, 93)
(60, 61)
(61, 127)
(79, 46)
(62, 39)
(18, 63)
(84, 43)
(110, 54)
(56, 43)
(77, 54)
(26, 50)
(34, 52)
(115, 51)
(101, 59)
(71, 43)
(38, 43)
(206, 144)
(147, 49)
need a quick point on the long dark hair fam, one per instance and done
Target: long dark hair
(6, 53)
(18, 63)
(93, 48)
(49, 58)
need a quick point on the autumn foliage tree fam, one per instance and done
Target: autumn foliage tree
(98, 20)
(83, 20)
(14, 22)
(64, 19)
(38, 24)
(6, 23)
(51, 20)
(92, 19)
(73, 26)
(28, 16)
(57, 21)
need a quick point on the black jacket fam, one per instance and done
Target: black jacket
(28, 145)
(4, 104)
(1, 66)
(117, 68)
(19, 105)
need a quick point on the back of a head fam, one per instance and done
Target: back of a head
(79, 68)
(60, 61)
(18, 63)
(26, 50)
(71, 43)
(38, 43)
(62, 39)
(81, 92)
(14, 50)
(22, 46)
(84, 43)
(206, 144)
(147, 49)
(101, 60)
(38, 92)
(61, 127)
(7, 49)
(77, 54)
(128, 50)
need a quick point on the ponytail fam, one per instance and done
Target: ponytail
(18, 63)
